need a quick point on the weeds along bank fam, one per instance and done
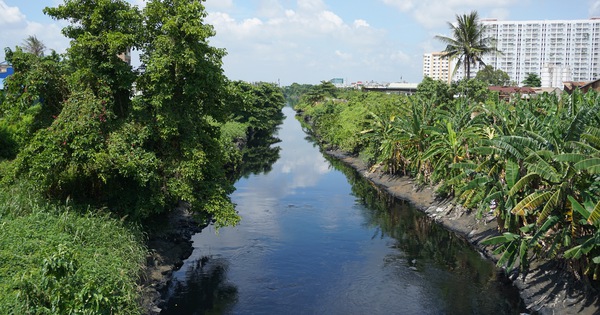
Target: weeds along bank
(531, 163)
(56, 260)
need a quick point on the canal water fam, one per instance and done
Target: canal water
(316, 238)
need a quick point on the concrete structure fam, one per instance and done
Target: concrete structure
(568, 49)
(554, 75)
(393, 88)
(436, 67)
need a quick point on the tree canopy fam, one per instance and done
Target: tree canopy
(532, 80)
(92, 140)
(467, 44)
(493, 76)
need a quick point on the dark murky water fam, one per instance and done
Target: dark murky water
(316, 238)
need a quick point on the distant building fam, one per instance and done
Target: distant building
(393, 88)
(569, 87)
(508, 93)
(436, 67)
(570, 48)
(338, 82)
(126, 56)
(5, 71)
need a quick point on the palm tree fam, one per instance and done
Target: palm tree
(34, 46)
(467, 43)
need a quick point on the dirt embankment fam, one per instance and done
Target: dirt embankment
(169, 243)
(546, 289)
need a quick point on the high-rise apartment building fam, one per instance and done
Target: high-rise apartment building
(436, 67)
(555, 50)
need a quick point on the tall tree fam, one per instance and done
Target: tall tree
(493, 76)
(88, 151)
(532, 80)
(34, 46)
(183, 89)
(467, 44)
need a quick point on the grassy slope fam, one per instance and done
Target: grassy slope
(55, 260)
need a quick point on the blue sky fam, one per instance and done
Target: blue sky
(307, 41)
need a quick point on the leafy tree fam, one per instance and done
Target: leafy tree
(100, 31)
(183, 89)
(258, 106)
(33, 96)
(318, 93)
(34, 46)
(293, 92)
(493, 76)
(92, 151)
(435, 90)
(532, 80)
(471, 89)
(467, 44)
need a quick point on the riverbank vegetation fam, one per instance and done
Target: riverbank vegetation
(91, 148)
(532, 163)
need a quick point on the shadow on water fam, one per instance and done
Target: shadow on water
(205, 291)
(422, 241)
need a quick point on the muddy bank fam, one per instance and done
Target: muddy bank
(546, 289)
(169, 244)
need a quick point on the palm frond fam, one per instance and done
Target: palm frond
(594, 217)
(550, 205)
(522, 183)
(570, 157)
(531, 202)
(590, 165)
(512, 173)
(545, 170)
(578, 207)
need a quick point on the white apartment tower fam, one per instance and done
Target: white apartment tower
(436, 67)
(555, 50)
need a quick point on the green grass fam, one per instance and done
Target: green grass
(56, 260)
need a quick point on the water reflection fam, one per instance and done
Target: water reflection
(259, 156)
(316, 238)
(426, 246)
(206, 290)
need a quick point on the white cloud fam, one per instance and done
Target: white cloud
(10, 16)
(311, 5)
(400, 56)
(343, 55)
(308, 39)
(435, 13)
(360, 23)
